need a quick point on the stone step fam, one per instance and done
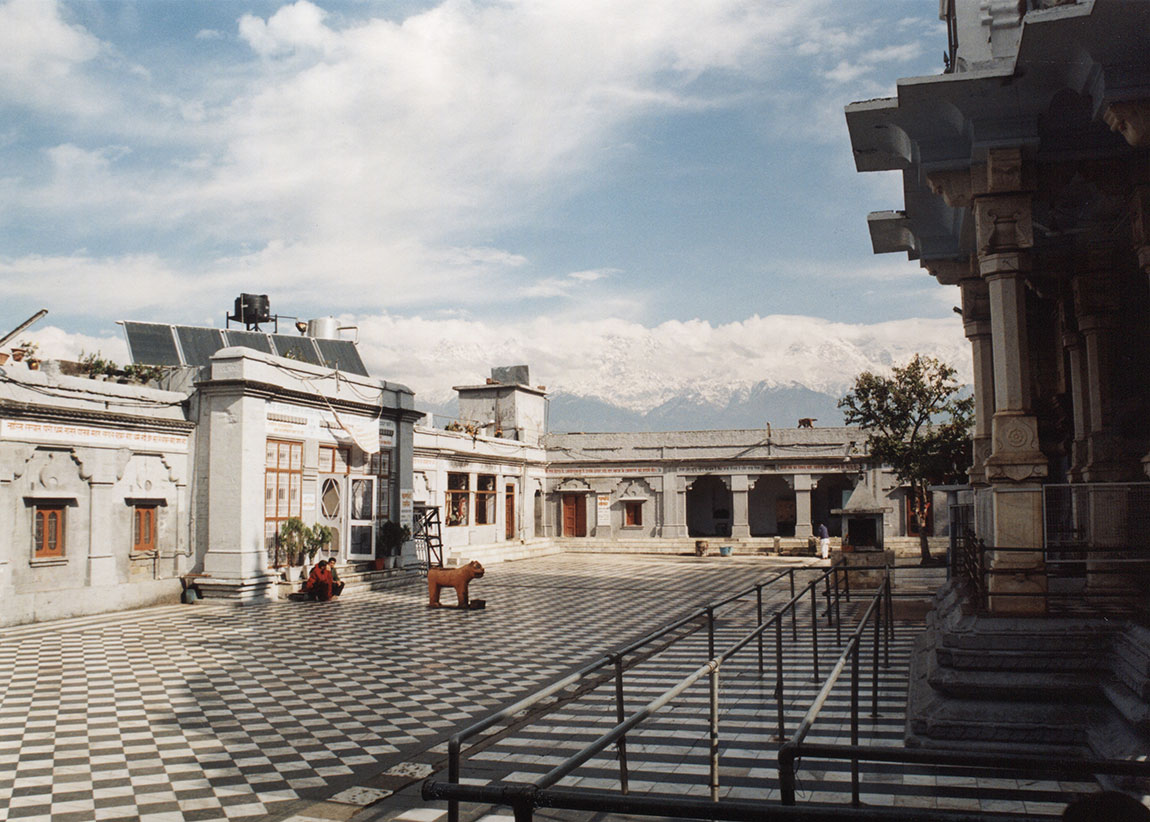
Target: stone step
(1039, 662)
(1111, 737)
(1130, 673)
(974, 720)
(1133, 708)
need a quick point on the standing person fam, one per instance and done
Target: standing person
(319, 582)
(824, 541)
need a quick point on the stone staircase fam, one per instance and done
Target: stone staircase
(1070, 686)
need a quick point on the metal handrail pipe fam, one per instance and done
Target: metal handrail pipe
(576, 676)
(1045, 765)
(699, 612)
(824, 692)
(729, 810)
(572, 762)
(527, 702)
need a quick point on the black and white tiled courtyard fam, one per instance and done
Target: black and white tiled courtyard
(213, 711)
(270, 711)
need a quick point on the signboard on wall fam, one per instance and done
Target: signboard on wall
(615, 471)
(299, 422)
(91, 435)
(603, 515)
(407, 507)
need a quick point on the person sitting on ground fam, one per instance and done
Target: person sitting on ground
(336, 582)
(318, 585)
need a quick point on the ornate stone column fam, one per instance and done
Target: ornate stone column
(976, 326)
(740, 510)
(674, 507)
(1016, 466)
(1080, 398)
(803, 485)
(1140, 230)
(102, 469)
(1096, 304)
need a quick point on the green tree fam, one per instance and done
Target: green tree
(918, 425)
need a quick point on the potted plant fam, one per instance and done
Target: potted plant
(391, 538)
(293, 539)
(96, 367)
(316, 539)
(27, 348)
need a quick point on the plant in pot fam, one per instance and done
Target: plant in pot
(293, 539)
(95, 366)
(392, 536)
(317, 539)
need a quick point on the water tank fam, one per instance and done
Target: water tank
(324, 328)
(252, 309)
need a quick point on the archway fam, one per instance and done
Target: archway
(709, 508)
(771, 507)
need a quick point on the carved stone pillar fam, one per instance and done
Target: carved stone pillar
(740, 512)
(1140, 230)
(102, 468)
(1016, 465)
(1096, 304)
(1080, 399)
(674, 507)
(976, 325)
(803, 485)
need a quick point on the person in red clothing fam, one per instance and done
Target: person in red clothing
(319, 582)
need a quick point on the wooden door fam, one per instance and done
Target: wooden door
(509, 512)
(574, 516)
(569, 515)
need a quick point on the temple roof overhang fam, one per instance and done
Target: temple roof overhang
(1049, 99)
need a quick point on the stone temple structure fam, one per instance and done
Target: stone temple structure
(1026, 179)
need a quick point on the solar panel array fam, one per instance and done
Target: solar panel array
(163, 344)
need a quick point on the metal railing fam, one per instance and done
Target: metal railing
(1096, 515)
(835, 588)
(793, 747)
(1045, 768)
(1084, 581)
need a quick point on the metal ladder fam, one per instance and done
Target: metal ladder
(428, 537)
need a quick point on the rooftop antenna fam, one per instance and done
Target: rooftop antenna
(33, 319)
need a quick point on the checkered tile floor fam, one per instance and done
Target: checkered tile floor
(220, 712)
(668, 754)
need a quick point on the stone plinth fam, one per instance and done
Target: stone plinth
(864, 559)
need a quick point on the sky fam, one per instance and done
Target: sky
(642, 193)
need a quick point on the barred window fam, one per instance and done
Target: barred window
(48, 532)
(458, 486)
(485, 499)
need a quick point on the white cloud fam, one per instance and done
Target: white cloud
(419, 131)
(594, 274)
(640, 366)
(57, 344)
(898, 53)
(292, 28)
(42, 57)
(109, 287)
(847, 72)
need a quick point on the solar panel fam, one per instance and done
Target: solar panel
(341, 354)
(151, 344)
(163, 344)
(198, 344)
(249, 339)
(296, 348)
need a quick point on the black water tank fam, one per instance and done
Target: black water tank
(252, 308)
